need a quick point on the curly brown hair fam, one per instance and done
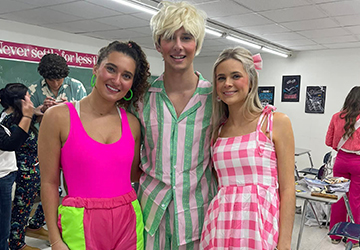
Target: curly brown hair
(53, 66)
(142, 71)
(351, 110)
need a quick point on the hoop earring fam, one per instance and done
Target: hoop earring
(93, 81)
(129, 98)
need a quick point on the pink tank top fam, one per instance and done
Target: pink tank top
(93, 169)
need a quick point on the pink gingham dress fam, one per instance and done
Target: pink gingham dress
(245, 212)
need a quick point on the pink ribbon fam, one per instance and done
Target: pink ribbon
(267, 112)
(268, 109)
(257, 61)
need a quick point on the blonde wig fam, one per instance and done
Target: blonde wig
(174, 16)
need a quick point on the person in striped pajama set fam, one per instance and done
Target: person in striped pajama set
(176, 183)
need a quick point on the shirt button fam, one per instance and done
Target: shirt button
(175, 166)
(173, 187)
(162, 205)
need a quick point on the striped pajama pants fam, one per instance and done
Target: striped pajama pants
(164, 238)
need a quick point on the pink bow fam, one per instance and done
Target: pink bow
(257, 61)
(268, 109)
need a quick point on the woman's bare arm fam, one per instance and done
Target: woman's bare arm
(285, 149)
(49, 157)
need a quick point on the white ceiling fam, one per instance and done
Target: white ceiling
(297, 25)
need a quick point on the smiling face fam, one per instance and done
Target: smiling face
(232, 82)
(178, 51)
(114, 76)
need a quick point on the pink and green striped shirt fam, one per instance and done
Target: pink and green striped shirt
(175, 158)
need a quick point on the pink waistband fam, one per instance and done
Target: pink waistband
(99, 203)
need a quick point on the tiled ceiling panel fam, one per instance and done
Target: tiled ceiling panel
(43, 3)
(84, 10)
(123, 21)
(245, 20)
(39, 16)
(325, 33)
(311, 24)
(223, 8)
(265, 29)
(12, 6)
(271, 4)
(294, 14)
(298, 25)
(78, 27)
(341, 8)
(348, 20)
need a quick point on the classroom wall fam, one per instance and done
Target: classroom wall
(336, 69)
(34, 35)
(339, 70)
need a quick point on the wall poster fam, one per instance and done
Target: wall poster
(266, 95)
(315, 99)
(290, 88)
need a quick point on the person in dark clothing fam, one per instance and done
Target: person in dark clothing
(18, 114)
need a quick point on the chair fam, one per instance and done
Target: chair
(323, 171)
(347, 230)
(326, 168)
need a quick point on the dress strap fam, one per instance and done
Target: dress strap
(267, 113)
(220, 128)
(74, 112)
(72, 109)
(125, 125)
(77, 107)
(120, 111)
(344, 139)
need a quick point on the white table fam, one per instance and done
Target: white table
(307, 199)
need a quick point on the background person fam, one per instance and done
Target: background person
(343, 135)
(55, 85)
(9, 142)
(253, 155)
(96, 143)
(28, 174)
(175, 187)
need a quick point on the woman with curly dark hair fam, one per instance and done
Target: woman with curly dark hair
(96, 143)
(21, 165)
(343, 135)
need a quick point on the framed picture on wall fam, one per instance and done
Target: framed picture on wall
(315, 99)
(290, 88)
(266, 95)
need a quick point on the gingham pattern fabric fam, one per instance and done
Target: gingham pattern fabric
(176, 161)
(245, 212)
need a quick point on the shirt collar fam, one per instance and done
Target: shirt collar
(43, 83)
(204, 86)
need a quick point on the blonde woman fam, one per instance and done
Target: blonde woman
(253, 155)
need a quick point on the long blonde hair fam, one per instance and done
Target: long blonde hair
(252, 105)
